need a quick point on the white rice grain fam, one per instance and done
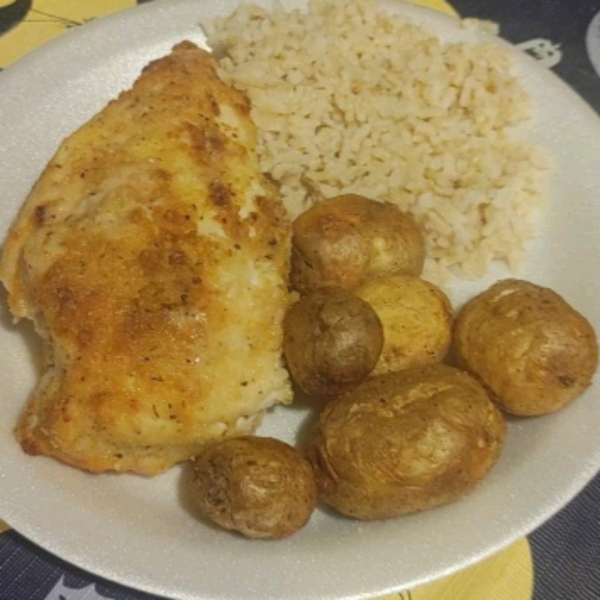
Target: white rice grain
(348, 98)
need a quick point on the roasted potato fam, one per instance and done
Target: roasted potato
(417, 321)
(346, 240)
(260, 487)
(404, 442)
(530, 349)
(332, 341)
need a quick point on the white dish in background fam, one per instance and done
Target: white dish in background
(139, 532)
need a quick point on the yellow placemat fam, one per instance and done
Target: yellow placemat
(440, 5)
(505, 576)
(27, 24)
(31, 23)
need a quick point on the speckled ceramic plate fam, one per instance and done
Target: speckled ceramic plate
(140, 532)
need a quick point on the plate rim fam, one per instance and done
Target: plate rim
(72, 38)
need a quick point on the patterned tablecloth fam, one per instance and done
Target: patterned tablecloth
(559, 561)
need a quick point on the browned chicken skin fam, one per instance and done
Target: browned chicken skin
(152, 256)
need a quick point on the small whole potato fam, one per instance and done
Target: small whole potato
(417, 321)
(346, 240)
(530, 349)
(331, 341)
(260, 487)
(404, 442)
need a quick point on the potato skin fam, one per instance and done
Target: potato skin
(417, 321)
(260, 487)
(405, 442)
(530, 349)
(332, 340)
(346, 240)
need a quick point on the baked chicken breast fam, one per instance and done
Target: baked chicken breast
(152, 256)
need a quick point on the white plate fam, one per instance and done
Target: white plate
(140, 532)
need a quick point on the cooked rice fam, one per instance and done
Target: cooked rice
(349, 98)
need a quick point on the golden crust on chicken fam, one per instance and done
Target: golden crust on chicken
(152, 256)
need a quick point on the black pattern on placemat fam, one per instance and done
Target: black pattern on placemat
(29, 573)
(561, 22)
(12, 14)
(566, 551)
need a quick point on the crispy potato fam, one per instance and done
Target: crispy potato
(260, 487)
(405, 442)
(417, 321)
(530, 349)
(332, 341)
(346, 240)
